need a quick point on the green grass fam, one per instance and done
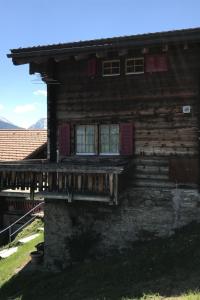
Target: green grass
(30, 229)
(155, 270)
(10, 265)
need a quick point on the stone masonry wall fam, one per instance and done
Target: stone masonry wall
(78, 230)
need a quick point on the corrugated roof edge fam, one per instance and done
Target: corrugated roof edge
(109, 41)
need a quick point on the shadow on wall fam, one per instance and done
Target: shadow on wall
(82, 243)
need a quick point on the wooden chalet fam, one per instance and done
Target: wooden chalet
(123, 139)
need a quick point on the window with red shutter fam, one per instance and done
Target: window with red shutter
(126, 139)
(156, 63)
(64, 139)
(107, 139)
(92, 67)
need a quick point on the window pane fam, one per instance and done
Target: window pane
(114, 148)
(114, 139)
(80, 130)
(107, 71)
(109, 139)
(85, 139)
(139, 69)
(104, 139)
(89, 148)
(114, 129)
(115, 64)
(135, 65)
(89, 129)
(105, 148)
(104, 129)
(107, 64)
(111, 67)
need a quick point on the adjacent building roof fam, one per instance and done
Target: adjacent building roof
(21, 144)
(26, 55)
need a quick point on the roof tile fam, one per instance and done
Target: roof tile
(19, 144)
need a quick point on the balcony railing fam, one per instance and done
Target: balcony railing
(62, 180)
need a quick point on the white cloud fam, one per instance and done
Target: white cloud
(40, 93)
(24, 108)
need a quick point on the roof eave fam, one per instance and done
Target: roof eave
(27, 55)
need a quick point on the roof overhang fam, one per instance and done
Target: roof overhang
(64, 51)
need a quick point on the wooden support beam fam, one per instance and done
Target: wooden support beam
(76, 197)
(185, 46)
(81, 56)
(145, 50)
(62, 58)
(111, 186)
(51, 117)
(116, 189)
(123, 52)
(101, 54)
(165, 48)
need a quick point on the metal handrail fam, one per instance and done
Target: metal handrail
(10, 226)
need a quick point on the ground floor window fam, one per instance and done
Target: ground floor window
(97, 139)
(86, 139)
(109, 139)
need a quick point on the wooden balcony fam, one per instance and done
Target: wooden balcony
(70, 180)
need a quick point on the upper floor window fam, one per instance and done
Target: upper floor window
(134, 65)
(111, 67)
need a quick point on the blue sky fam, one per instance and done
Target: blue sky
(25, 23)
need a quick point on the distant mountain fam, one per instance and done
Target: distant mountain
(40, 124)
(5, 124)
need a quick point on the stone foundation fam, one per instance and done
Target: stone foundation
(79, 230)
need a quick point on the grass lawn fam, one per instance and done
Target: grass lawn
(12, 264)
(160, 269)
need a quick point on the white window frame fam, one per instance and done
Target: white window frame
(134, 59)
(95, 140)
(108, 153)
(111, 68)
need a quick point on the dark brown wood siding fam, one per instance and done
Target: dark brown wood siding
(152, 101)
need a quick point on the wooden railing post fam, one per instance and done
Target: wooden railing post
(62, 179)
(116, 189)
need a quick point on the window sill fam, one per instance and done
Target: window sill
(110, 75)
(90, 154)
(134, 73)
(109, 154)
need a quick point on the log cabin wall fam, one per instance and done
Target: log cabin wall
(153, 101)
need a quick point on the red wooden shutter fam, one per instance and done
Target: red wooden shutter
(64, 139)
(126, 138)
(92, 67)
(150, 63)
(161, 63)
(156, 63)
